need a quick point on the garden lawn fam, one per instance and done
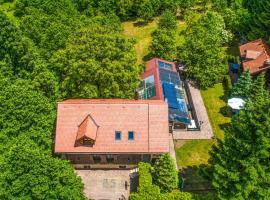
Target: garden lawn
(143, 35)
(196, 152)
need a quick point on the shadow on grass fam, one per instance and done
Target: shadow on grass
(141, 23)
(193, 180)
(226, 111)
(225, 126)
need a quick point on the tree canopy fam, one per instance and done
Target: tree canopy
(26, 172)
(164, 38)
(240, 164)
(203, 52)
(97, 65)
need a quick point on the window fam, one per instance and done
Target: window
(109, 158)
(96, 158)
(130, 135)
(117, 135)
(147, 88)
(165, 65)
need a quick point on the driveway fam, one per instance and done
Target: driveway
(108, 184)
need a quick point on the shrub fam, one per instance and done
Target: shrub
(227, 85)
(165, 174)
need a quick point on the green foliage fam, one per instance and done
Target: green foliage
(145, 175)
(165, 174)
(242, 89)
(26, 172)
(146, 10)
(164, 38)
(203, 52)
(227, 85)
(186, 5)
(20, 58)
(168, 21)
(147, 189)
(176, 195)
(11, 48)
(24, 111)
(163, 44)
(258, 90)
(260, 18)
(240, 165)
(97, 65)
(48, 23)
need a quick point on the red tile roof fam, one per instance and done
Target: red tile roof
(254, 55)
(152, 68)
(147, 118)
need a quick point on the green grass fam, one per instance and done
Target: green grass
(196, 152)
(216, 106)
(142, 34)
(192, 152)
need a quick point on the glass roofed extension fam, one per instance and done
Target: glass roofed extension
(164, 65)
(147, 88)
(174, 95)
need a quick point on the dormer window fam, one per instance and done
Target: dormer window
(86, 142)
(87, 132)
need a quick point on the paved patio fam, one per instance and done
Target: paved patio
(108, 184)
(206, 131)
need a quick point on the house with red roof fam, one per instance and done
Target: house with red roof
(161, 81)
(255, 56)
(111, 133)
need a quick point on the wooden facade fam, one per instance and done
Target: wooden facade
(108, 161)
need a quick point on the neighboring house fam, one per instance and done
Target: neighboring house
(255, 56)
(111, 133)
(161, 81)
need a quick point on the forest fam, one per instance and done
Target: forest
(53, 50)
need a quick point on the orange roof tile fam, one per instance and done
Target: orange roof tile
(147, 118)
(254, 55)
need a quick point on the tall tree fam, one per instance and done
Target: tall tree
(240, 165)
(164, 38)
(97, 64)
(165, 174)
(203, 52)
(168, 21)
(26, 172)
(146, 10)
(24, 111)
(260, 18)
(243, 87)
(258, 89)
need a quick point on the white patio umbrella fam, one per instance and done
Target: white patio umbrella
(236, 103)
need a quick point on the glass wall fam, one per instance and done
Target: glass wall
(147, 88)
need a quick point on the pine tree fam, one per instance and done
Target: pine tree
(165, 174)
(242, 88)
(260, 20)
(258, 89)
(240, 164)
